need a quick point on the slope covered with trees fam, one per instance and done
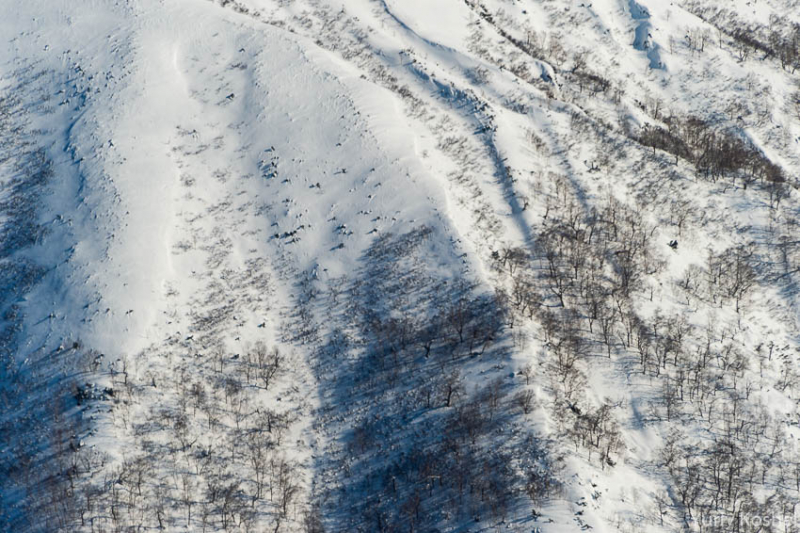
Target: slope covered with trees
(394, 265)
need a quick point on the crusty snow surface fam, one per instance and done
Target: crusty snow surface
(187, 183)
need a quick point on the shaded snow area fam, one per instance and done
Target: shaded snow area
(399, 266)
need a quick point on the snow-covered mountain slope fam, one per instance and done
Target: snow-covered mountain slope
(393, 265)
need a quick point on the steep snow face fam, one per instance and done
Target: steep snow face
(378, 265)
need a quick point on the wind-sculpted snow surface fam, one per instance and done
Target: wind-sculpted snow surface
(383, 265)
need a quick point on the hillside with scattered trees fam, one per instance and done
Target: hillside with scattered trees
(399, 266)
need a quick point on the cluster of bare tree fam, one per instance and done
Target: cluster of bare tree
(729, 275)
(779, 39)
(715, 152)
(597, 429)
(420, 447)
(741, 475)
(175, 476)
(581, 285)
